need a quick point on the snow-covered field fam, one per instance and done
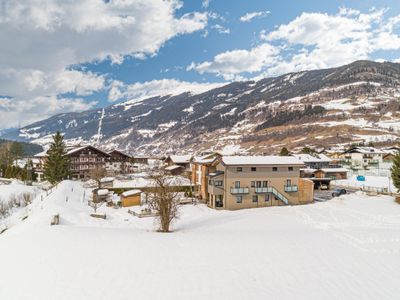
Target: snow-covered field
(345, 248)
(379, 182)
(16, 189)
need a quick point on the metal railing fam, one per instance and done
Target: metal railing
(291, 188)
(241, 190)
(262, 190)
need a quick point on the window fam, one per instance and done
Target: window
(290, 168)
(218, 182)
(239, 199)
(253, 169)
(237, 184)
(265, 183)
(288, 182)
(238, 169)
(258, 184)
(210, 182)
(253, 184)
(255, 198)
(274, 169)
(266, 197)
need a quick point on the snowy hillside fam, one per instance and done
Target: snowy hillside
(354, 103)
(346, 248)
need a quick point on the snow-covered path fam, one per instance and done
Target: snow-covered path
(346, 248)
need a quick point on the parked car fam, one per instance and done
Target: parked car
(323, 187)
(338, 192)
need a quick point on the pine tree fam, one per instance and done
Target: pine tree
(396, 171)
(16, 151)
(307, 150)
(284, 152)
(57, 164)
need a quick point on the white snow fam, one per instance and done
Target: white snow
(131, 193)
(379, 182)
(16, 188)
(345, 248)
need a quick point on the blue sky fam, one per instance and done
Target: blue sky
(63, 57)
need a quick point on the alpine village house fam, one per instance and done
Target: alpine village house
(84, 160)
(257, 181)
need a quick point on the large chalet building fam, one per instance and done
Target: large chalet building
(86, 160)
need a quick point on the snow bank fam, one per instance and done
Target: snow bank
(346, 248)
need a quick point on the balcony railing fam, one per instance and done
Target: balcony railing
(262, 190)
(291, 188)
(241, 190)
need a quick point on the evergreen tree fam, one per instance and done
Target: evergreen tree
(284, 152)
(396, 171)
(16, 151)
(307, 150)
(56, 167)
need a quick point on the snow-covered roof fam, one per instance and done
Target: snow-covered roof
(142, 182)
(107, 179)
(366, 150)
(102, 192)
(330, 170)
(308, 158)
(261, 160)
(181, 159)
(41, 154)
(308, 170)
(173, 167)
(205, 158)
(392, 151)
(71, 151)
(131, 193)
(214, 174)
(120, 152)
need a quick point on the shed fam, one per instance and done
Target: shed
(130, 198)
(100, 195)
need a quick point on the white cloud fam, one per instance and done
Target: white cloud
(42, 39)
(231, 63)
(310, 41)
(250, 16)
(142, 90)
(221, 29)
(205, 3)
(15, 113)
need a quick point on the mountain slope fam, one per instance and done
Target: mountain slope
(326, 107)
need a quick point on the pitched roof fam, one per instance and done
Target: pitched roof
(173, 167)
(206, 158)
(261, 160)
(119, 152)
(312, 158)
(181, 159)
(365, 150)
(74, 150)
(131, 193)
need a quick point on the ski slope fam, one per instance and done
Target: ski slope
(346, 248)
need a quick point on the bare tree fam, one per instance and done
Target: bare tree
(164, 200)
(97, 174)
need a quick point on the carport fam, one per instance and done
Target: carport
(319, 181)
